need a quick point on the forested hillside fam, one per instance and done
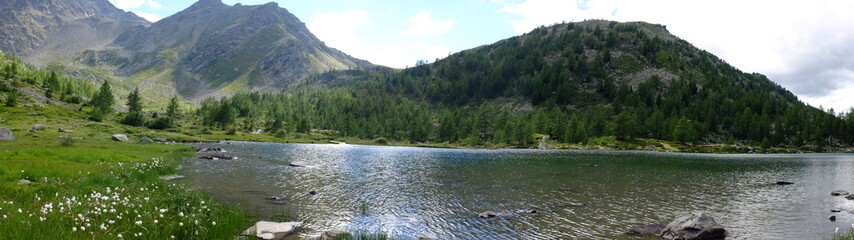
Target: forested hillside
(575, 82)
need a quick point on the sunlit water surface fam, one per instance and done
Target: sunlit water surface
(413, 192)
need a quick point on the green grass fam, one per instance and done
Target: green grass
(96, 188)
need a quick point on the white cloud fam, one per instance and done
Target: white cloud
(803, 46)
(154, 4)
(424, 25)
(338, 30)
(127, 4)
(151, 17)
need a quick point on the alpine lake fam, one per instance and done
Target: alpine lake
(407, 192)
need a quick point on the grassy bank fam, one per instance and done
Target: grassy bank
(86, 186)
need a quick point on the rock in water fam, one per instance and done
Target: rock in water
(275, 230)
(849, 197)
(492, 214)
(695, 226)
(838, 193)
(784, 183)
(298, 164)
(6, 134)
(120, 137)
(39, 127)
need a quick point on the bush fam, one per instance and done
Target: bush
(97, 115)
(281, 133)
(134, 119)
(163, 123)
(68, 142)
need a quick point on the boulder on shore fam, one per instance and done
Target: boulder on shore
(120, 137)
(839, 193)
(209, 150)
(545, 146)
(694, 226)
(6, 134)
(272, 230)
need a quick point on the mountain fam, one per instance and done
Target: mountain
(45, 31)
(577, 82)
(208, 48)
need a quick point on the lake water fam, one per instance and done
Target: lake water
(413, 192)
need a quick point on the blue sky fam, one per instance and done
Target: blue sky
(803, 46)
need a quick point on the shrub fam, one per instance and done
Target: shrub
(281, 133)
(162, 123)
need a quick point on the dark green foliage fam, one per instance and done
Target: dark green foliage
(11, 99)
(161, 123)
(172, 109)
(135, 117)
(281, 133)
(103, 102)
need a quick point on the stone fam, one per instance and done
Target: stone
(649, 230)
(146, 139)
(838, 193)
(120, 137)
(63, 130)
(275, 230)
(208, 150)
(298, 164)
(835, 210)
(849, 197)
(160, 140)
(218, 157)
(63, 136)
(784, 183)
(694, 226)
(6, 134)
(172, 177)
(312, 193)
(331, 234)
(651, 147)
(39, 127)
(34, 114)
(427, 238)
(32, 131)
(23, 181)
(833, 218)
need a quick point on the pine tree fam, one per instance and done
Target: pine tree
(172, 109)
(12, 99)
(103, 102)
(135, 116)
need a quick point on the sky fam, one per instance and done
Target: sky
(805, 46)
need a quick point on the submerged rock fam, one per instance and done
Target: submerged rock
(694, 226)
(838, 193)
(833, 218)
(784, 183)
(331, 234)
(298, 164)
(492, 214)
(6, 134)
(120, 137)
(649, 230)
(849, 197)
(218, 157)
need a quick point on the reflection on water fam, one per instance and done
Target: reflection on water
(413, 192)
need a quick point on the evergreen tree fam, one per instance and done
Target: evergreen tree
(103, 102)
(12, 98)
(172, 109)
(135, 116)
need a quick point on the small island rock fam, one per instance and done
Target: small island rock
(298, 164)
(694, 226)
(839, 193)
